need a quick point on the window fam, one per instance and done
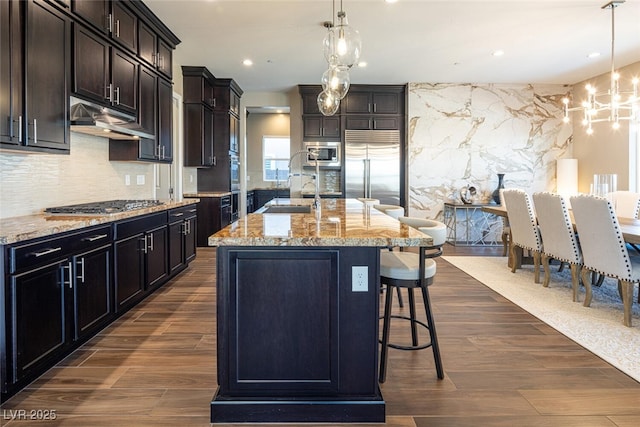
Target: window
(275, 158)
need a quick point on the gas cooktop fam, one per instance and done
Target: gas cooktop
(103, 208)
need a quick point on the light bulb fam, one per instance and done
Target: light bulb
(616, 125)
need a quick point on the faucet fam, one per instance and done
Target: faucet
(316, 199)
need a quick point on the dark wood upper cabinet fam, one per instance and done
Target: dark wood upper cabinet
(374, 101)
(124, 80)
(154, 50)
(11, 76)
(95, 12)
(124, 26)
(147, 44)
(91, 65)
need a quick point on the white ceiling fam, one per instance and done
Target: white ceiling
(433, 41)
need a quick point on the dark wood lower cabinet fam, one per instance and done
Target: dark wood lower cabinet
(37, 300)
(295, 342)
(59, 291)
(129, 263)
(92, 290)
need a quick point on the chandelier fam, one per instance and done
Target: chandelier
(342, 47)
(611, 100)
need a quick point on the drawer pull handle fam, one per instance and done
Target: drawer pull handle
(177, 214)
(94, 238)
(46, 252)
(192, 210)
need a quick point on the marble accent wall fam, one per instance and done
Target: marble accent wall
(464, 134)
(34, 181)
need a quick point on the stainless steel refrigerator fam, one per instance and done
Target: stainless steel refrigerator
(372, 165)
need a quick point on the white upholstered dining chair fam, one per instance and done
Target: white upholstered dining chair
(524, 229)
(560, 241)
(604, 249)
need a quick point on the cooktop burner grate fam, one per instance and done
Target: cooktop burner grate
(101, 208)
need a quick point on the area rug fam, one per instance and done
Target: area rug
(598, 328)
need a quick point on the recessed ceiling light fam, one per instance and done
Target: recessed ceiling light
(362, 64)
(391, 1)
(593, 55)
(498, 52)
(247, 62)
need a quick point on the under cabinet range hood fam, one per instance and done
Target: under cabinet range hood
(96, 120)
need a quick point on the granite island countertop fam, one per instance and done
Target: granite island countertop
(20, 228)
(342, 222)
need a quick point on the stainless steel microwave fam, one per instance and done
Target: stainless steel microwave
(326, 153)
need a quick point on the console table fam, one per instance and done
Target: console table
(469, 225)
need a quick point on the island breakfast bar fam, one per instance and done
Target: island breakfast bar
(297, 312)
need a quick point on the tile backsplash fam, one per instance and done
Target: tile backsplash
(32, 182)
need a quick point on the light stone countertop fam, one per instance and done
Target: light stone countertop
(207, 194)
(343, 222)
(20, 228)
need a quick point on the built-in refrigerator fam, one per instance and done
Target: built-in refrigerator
(372, 165)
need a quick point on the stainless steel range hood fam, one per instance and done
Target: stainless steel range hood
(92, 119)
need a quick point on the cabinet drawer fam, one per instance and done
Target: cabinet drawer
(182, 213)
(35, 253)
(135, 226)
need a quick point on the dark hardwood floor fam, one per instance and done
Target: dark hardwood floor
(156, 366)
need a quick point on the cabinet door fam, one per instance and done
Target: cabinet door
(234, 134)
(312, 126)
(92, 290)
(176, 245)
(191, 231)
(331, 127)
(47, 93)
(373, 122)
(198, 135)
(37, 301)
(147, 41)
(165, 120)
(11, 83)
(157, 256)
(93, 11)
(147, 112)
(358, 102)
(91, 65)
(259, 300)
(129, 268)
(124, 26)
(385, 102)
(165, 59)
(124, 77)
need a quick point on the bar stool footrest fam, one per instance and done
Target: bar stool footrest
(409, 347)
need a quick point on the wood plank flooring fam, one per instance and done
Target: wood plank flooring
(156, 366)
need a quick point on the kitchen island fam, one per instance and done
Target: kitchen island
(297, 312)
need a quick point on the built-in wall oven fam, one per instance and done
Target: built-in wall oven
(326, 153)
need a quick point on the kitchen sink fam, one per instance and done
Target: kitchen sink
(287, 209)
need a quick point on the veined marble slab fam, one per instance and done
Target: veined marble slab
(20, 228)
(342, 222)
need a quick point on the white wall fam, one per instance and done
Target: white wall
(606, 150)
(32, 182)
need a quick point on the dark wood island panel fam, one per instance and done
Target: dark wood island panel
(295, 342)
